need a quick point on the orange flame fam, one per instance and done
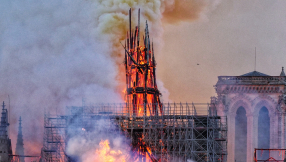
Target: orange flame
(106, 154)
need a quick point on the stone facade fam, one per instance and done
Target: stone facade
(245, 100)
(5, 150)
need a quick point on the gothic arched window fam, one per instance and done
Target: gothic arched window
(240, 135)
(263, 132)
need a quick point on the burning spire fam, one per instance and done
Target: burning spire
(140, 66)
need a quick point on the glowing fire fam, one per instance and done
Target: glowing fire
(142, 94)
(106, 154)
(140, 68)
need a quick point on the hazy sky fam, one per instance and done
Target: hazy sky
(222, 44)
(55, 53)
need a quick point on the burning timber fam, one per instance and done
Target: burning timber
(140, 66)
(156, 131)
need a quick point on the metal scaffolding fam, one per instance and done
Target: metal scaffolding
(54, 139)
(16, 158)
(184, 132)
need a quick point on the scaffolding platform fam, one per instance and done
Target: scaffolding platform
(183, 132)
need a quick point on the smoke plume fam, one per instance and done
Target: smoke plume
(175, 11)
(102, 143)
(56, 53)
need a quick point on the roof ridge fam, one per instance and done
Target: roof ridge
(255, 73)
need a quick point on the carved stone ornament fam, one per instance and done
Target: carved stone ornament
(264, 97)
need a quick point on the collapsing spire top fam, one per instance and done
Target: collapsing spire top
(141, 87)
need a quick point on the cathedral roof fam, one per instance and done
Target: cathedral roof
(254, 73)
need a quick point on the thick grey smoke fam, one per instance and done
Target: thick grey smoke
(55, 53)
(52, 55)
(100, 144)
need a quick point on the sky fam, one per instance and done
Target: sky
(223, 43)
(55, 53)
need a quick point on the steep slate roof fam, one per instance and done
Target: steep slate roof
(254, 73)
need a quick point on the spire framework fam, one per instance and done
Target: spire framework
(142, 94)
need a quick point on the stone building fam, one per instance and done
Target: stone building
(5, 141)
(254, 104)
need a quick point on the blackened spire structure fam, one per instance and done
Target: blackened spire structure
(20, 142)
(142, 92)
